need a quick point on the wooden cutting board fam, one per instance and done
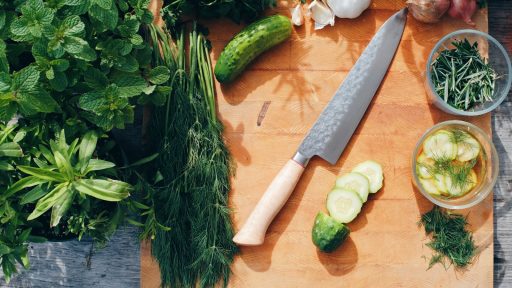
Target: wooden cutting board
(386, 247)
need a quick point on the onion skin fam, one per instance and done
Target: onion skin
(428, 11)
(463, 9)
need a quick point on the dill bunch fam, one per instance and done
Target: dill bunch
(195, 168)
(450, 239)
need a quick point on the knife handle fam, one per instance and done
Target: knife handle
(278, 192)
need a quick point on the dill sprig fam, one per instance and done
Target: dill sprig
(462, 77)
(195, 168)
(449, 238)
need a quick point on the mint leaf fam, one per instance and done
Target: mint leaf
(37, 100)
(127, 63)
(72, 25)
(159, 75)
(5, 82)
(35, 16)
(105, 4)
(8, 108)
(95, 79)
(79, 48)
(92, 101)
(130, 84)
(26, 79)
(106, 17)
(59, 82)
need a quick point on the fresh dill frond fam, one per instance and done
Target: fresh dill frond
(449, 238)
(458, 136)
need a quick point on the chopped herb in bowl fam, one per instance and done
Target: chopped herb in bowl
(462, 77)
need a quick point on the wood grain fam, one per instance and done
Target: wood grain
(299, 77)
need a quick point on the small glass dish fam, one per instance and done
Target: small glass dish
(497, 58)
(487, 175)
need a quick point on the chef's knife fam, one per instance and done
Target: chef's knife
(333, 128)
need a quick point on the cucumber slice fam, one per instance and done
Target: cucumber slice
(356, 182)
(373, 171)
(343, 205)
(468, 149)
(423, 163)
(455, 190)
(473, 179)
(430, 186)
(440, 182)
(440, 145)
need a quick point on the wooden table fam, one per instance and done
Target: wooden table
(78, 264)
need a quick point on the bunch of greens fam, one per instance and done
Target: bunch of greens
(462, 77)
(450, 239)
(70, 72)
(238, 11)
(193, 169)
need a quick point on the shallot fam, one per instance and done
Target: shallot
(428, 11)
(463, 9)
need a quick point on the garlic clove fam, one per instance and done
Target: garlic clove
(321, 13)
(297, 16)
(348, 8)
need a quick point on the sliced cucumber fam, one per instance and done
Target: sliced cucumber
(430, 186)
(423, 165)
(343, 205)
(468, 149)
(455, 190)
(356, 182)
(440, 145)
(473, 179)
(373, 171)
(440, 182)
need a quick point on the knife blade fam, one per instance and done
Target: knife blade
(333, 129)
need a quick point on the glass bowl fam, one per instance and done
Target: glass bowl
(488, 172)
(497, 58)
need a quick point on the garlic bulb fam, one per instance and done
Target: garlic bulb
(348, 8)
(297, 16)
(321, 13)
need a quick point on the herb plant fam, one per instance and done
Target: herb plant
(70, 72)
(194, 169)
(462, 77)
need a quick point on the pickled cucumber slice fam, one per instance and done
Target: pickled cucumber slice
(373, 171)
(430, 186)
(468, 149)
(356, 182)
(440, 145)
(440, 183)
(343, 205)
(423, 166)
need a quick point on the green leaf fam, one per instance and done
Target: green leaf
(92, 101)
(36, 101)
(7, 109)
(43, 174)
(107, 190)
(72, 25)
(10, 149)
(26, 79)
(107, 17)
(64, 165)
(60, 82)
(5, 166)
(130, 84)
(79, 48)
(87, 147)
(33, 195)
(60, 208)
(143, 161)
(50, 199)
(4, 249)
(159, 75)
(97, 165)
(95, 79)
(5, 82)
(21, 184)
(105, 4)
(127, 63)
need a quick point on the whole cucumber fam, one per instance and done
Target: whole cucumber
(253, 40)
